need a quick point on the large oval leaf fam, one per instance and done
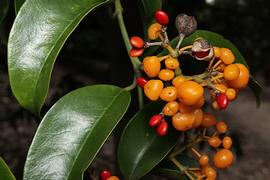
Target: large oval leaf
(38, 33)
(73, 131)
(5, 172)
(140, 149)
(218, 40)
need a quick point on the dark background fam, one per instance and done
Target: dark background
(95, 53)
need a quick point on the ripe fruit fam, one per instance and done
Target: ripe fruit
(171, 63)
(227, 142)
(154, 31)
(209, 172)
(162, 128)
(198, 113)
(162, 18)
(203, 160)
(178, 80)
(231, 94)
(183, 121)
(223, 158)
(104, 175)
(137, 42)
(185, 108)
(214, 141)
(221, 87)
(221, 127)
(169, 93)
(151, 66)
(134, 52)
(208, 120)
(170, 108)
(222, 101)
(226, 56)
(200, 103)
(190, 92)
(155, 120)
(153, 89)
(231, 72)
(242, 81)
(113, 178)
(217, 52)
(141, 81)
(166, 74)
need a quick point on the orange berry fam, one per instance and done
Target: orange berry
(113, 178)
(185, 108)
(227, 56)
(200, 103)
(223, 158)
(154, 31)
(217, 52)
(153, 89)
(221, 127)
(227, 142)
(221, 88)
(208, 120)
(183, 121)
(190, 92)
(178, 80)
(151, 66)
(166, 74)
(214, 141)
(169, 94)
(209, 172)
(231, 94)
(242, 81)
(198, 113)
(171, 108)
(231, 72)
(204, 160)
(171, 63)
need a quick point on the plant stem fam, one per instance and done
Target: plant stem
(140, 97)
(182, 168)
(131, 86)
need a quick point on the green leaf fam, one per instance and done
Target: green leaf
(38, 33)
(5, 172)
(147, 11)
(167, 169)
(73, 131)
(218, 40)
(17, 5)
(4, 5)
(140, 149)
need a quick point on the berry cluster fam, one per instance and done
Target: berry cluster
(107, 175)
(185, 95)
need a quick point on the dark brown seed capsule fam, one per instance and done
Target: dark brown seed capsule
(185, 24)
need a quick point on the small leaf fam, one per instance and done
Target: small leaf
(72, 132)
(17, 5)
(217, 40)
(38, 33)
(167, 169)
(140, 149)
(5, 172)
(4, 5)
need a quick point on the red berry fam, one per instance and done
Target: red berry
(155, 120)
(137, 42)
(134, 52)
(162, 18)
(105, 174)
(222, 101)
(162, 129)
(141, 81)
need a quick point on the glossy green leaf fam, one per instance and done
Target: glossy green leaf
(4, 5)
(218, 40)
(17, 5)
(167, 169)
(140, 149)
(5, 172)
(72, 132)
(147, 11)
(38, 33)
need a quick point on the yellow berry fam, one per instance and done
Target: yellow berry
(171, 108)
(169, 94)
(166, 74)
(153, 89)
(154, 31)
(171, 63)
(151, 66)
(227, 56)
